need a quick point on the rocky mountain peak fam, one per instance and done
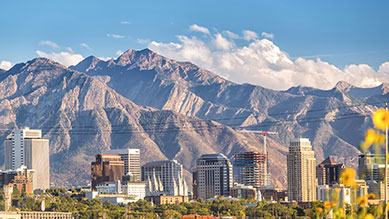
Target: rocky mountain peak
(342, 85)
(88, 63)
(146, 56)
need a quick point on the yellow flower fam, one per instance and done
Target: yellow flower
(362, 201)
(319, 210)
(337, 190)
(348, 177)
(342, 213)
(327, 205)
(369, 216)
(371, 137)
(327, 189)
(347, 192)
(381, 119)
(371, 195)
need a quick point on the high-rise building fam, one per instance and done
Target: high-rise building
(27, 147)
(131, 159)
(328, 172)
(301, 166)
(212, 176)
(248, 168)
(371, 168)
(164, 178)
(108, 168)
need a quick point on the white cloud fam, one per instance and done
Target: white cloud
(262, 62)
(86, 46)
(5, 65)
(231, 34)
(49, 43)
(105, 58)
(69, 49)
(119, 52)
(221, 43)
(249, 35)
(198, 28)
(64, 58)
(125, 22)
(116, 36)
(267, 35)
(143, 41)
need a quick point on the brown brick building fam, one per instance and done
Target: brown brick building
(21, 179)
(108, 168)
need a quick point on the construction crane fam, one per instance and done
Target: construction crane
(267, 180)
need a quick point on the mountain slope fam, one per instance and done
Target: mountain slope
(82, 116)
(334, 120)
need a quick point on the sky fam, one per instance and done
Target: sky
(275, 43)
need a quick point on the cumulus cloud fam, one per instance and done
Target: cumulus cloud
(116, 36)
(64, 58)
(267, 35)
(198, 28)
(86, 46)
(49, 43)
(249, 35)
(262, 62)
(5, 65)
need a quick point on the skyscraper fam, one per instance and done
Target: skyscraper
(131, 159)
(328, 172)
(164, 178)
(371, 168)
(108, 168)
(301, 165)
(212, 176)
(27, 147)
(248, 168)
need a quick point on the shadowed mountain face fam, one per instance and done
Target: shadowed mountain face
(82, 116)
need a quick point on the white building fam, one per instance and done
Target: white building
(27, 147)
(326, 193)
(131, 159)
(131, 190)
(301, 166)
(164, 177)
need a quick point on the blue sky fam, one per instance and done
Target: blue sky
(339, 32)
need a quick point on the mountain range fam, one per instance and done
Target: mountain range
(174, 110)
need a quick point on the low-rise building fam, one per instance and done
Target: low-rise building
(167, 200)
(245, 192)
(21, 178)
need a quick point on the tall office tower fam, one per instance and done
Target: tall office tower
(164, 178)
(371, 168)
(248, 168)
(131, 158)
(212, 176)
(27, 147)
(301, 165)
(108, 168)
(328, 172)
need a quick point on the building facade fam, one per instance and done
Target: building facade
(164, 178)
(248, 168)
(301, 169)
(107, 169)
(21, 178)
(371, 168)
(131, 159)
(27, 147)
(328, 172)
(212, 176)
